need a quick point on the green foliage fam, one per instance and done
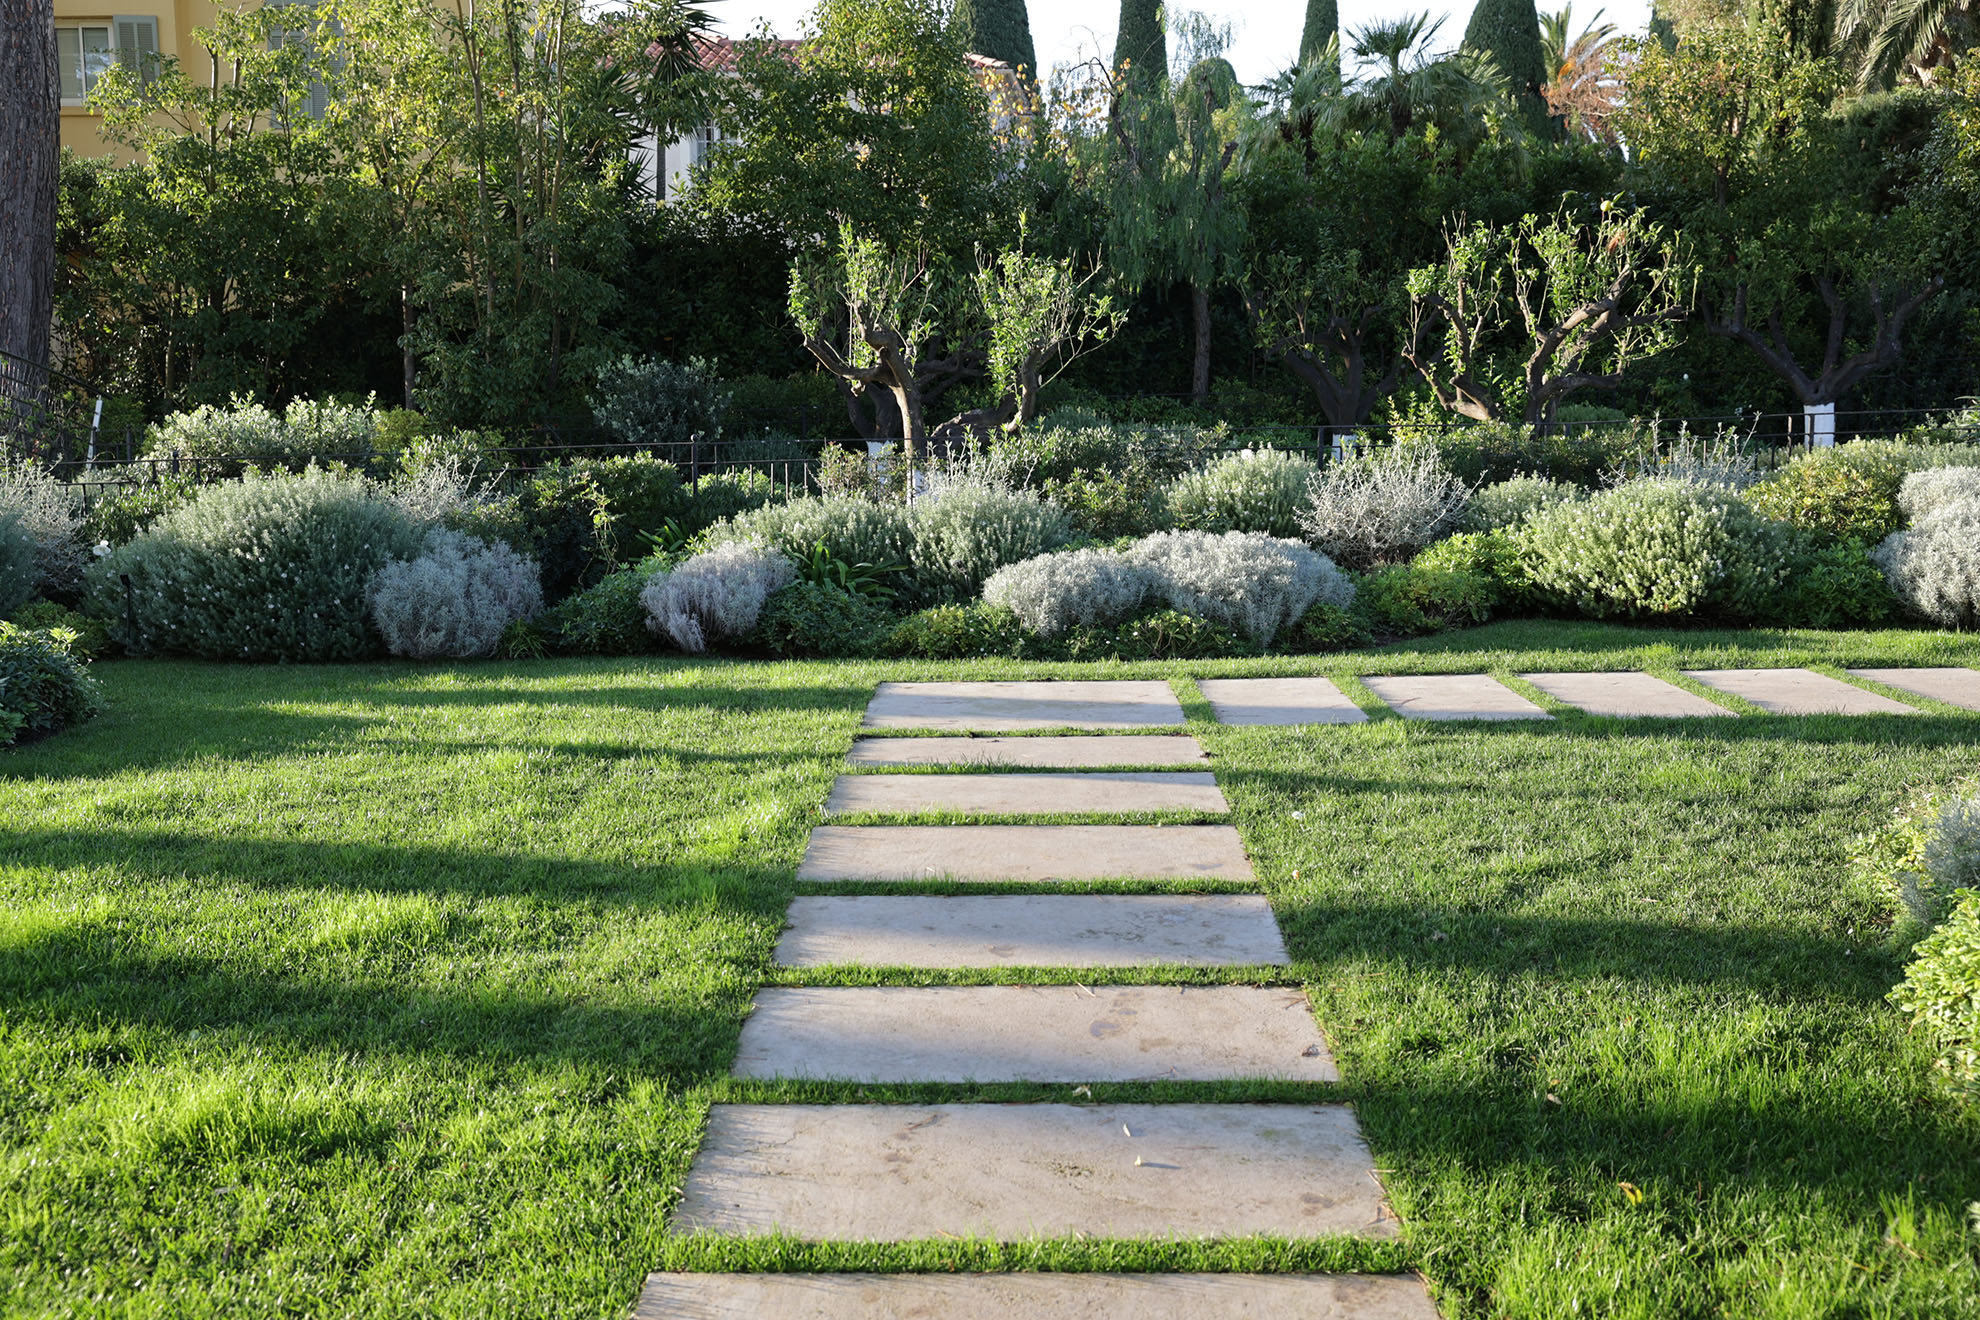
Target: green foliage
(264, 568)
(1039, 313)
(1330, 628)
(1509, 503)
(956, 632)
(647, 403)
(1896, 860)
(1509, 32)
(1158, 635)
(1494, 556)
(965, 532)
(215, 441)
(85, 637)
(1409, 600)
(605, 618)
(1656, 548)
(811, 618)
(1250, 491)
(821, 568)
(116, 514)
(18, 573)
(720, 496)
(1831, 583)
(1501, 451)
(855, 531)
(1000, 29)
(44, 684)
(1141, 43)
(1941, 992)
(585, 517)
(1843, 491)
(1323, 25)
(711, 284)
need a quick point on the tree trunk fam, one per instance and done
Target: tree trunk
(1199, 371)
(405, 342)
(30, 152)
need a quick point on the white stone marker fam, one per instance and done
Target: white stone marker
(892, 1173)
(1453, 697)
(1084, 752)
(1955, 687)
(1024, 852)
(1033, 1033)
(1113, 791)
(996, 707)
(1279, 701)
(1033, 930)
(1798, 692)
(1033, 1297)
(1624, 696)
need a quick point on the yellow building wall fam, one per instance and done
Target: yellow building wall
(82, 128)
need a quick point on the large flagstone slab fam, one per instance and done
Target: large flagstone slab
(1025, 1033)
(1453, 697)
(1798, 692)
(1032, 930)
(1023, 705)
(1955, 687)
(1625, 696)
(1020, 794)
(1278, 701)
(1024, 852)
(1089, 751)
(888, 1173)
(1034, 1297)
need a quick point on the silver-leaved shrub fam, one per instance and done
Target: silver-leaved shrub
(453, 601)
(967, 530)
(1510, 503)
(716, 596)
(1925, 493)
(1253, 490)
(1074, 588)
(1384, 507)
(1934, 567)
(18, 573)
(50, 516)
(1253, 584)
(855, 530)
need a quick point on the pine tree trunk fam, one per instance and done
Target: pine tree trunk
(1199, 371)
(30, 154)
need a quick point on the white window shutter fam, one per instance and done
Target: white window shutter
(136, 40)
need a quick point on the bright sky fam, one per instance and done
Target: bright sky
(1267, 31)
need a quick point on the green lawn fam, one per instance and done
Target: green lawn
(382, 991)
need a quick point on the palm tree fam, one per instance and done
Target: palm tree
(1400, 83)
(1580, 87)
(1907, 37)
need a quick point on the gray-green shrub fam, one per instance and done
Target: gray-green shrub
(1382, 507)
(1253, 584)
(52, 518)
(646, 402)
(454, 599)
(18, 573)
(1926, 492)
(716, 596)
(222, 441)
(1510, 503)
(264, 568)
(1934, 568)
(966, 531)
(1072, 589)
(1655, 548)
(1253, 490)
(855, 530)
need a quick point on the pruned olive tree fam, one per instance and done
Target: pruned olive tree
(1040, 314)
(1519, 317)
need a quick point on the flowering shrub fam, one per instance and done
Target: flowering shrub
(1075, 588)
(965, 532)
(264, 568)
(1510, 503)
(1251, 491)
(44, 687)
(716, 596)
(48, 513)
(1252, 584)
(1656, 548)
(854, 530)
(1387, 506)
(455, 600)
(1935, 567)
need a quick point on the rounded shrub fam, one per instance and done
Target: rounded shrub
(263, 568)
(605, 618)
(1410, 600)
(1941, 992)
(1655, 548)
(1252, 584)
(81, 635)
(854, 530)
(716, 596)
(1383, 507)
(223, 441)
(1510, 503)
(44, 687)
(967, 531)
(455, 600)
(18, 574)
(1829, 584)
(1925, 493)
(1935, 566)
(1841, 491)
(1071, 589)
(646, 402)
(1157, 635)
(117, 514)
(1494, 556)
(1262, 490)
(52, 518)
(816, 619)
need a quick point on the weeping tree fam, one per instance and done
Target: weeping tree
(1041, 314)
(1519, 317)
(1000, 29)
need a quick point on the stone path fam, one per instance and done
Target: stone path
(1279, 701)
(1453, 697)
(1624, 696)
(1955, 687)
(1798, 692)
(890, 1172)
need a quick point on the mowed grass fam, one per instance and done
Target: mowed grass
(387, 991)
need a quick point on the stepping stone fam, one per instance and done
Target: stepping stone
(1093, 751)
(1024, 1033)
(1279, 701)
(1955, 687)
(892, 1173)
(1030, 795)
(1624, 696)
(1005, 706)
(1024, 852)
(1034, 1297)
(1453, 697)
(1033, 930)
(1798, 692)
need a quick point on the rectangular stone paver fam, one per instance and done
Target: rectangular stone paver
(1030, 795)
(1798, 692)
(1026, 1033)
(1024, 852)
(1624, 696)
(1034, 1297)
(1033, 930)
(1453, 697)
(1023, 705)
(1090, 751)
(1955, 687)
(888, 1173)
(1278, 701)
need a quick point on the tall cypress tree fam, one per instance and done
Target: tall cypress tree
(1323, 21)
(1142, 43)
(1000, 29)
(1509, 31)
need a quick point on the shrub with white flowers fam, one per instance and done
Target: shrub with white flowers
(455, 599)
(1934, 567)
(1262, 490)
(1253, 584)
(1074, 588)
(716, 596)
(244, 434)
(1509, 503)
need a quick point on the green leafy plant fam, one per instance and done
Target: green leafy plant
(605, 618)
(44, 685)
(811, 618)
(84, 637)
(1941, 992)
(1251, 491)
(1840, 491)
(820, 567)
(1409, 600)
(957, 632)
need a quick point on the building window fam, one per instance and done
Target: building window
(85, 52)
(706, 139)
